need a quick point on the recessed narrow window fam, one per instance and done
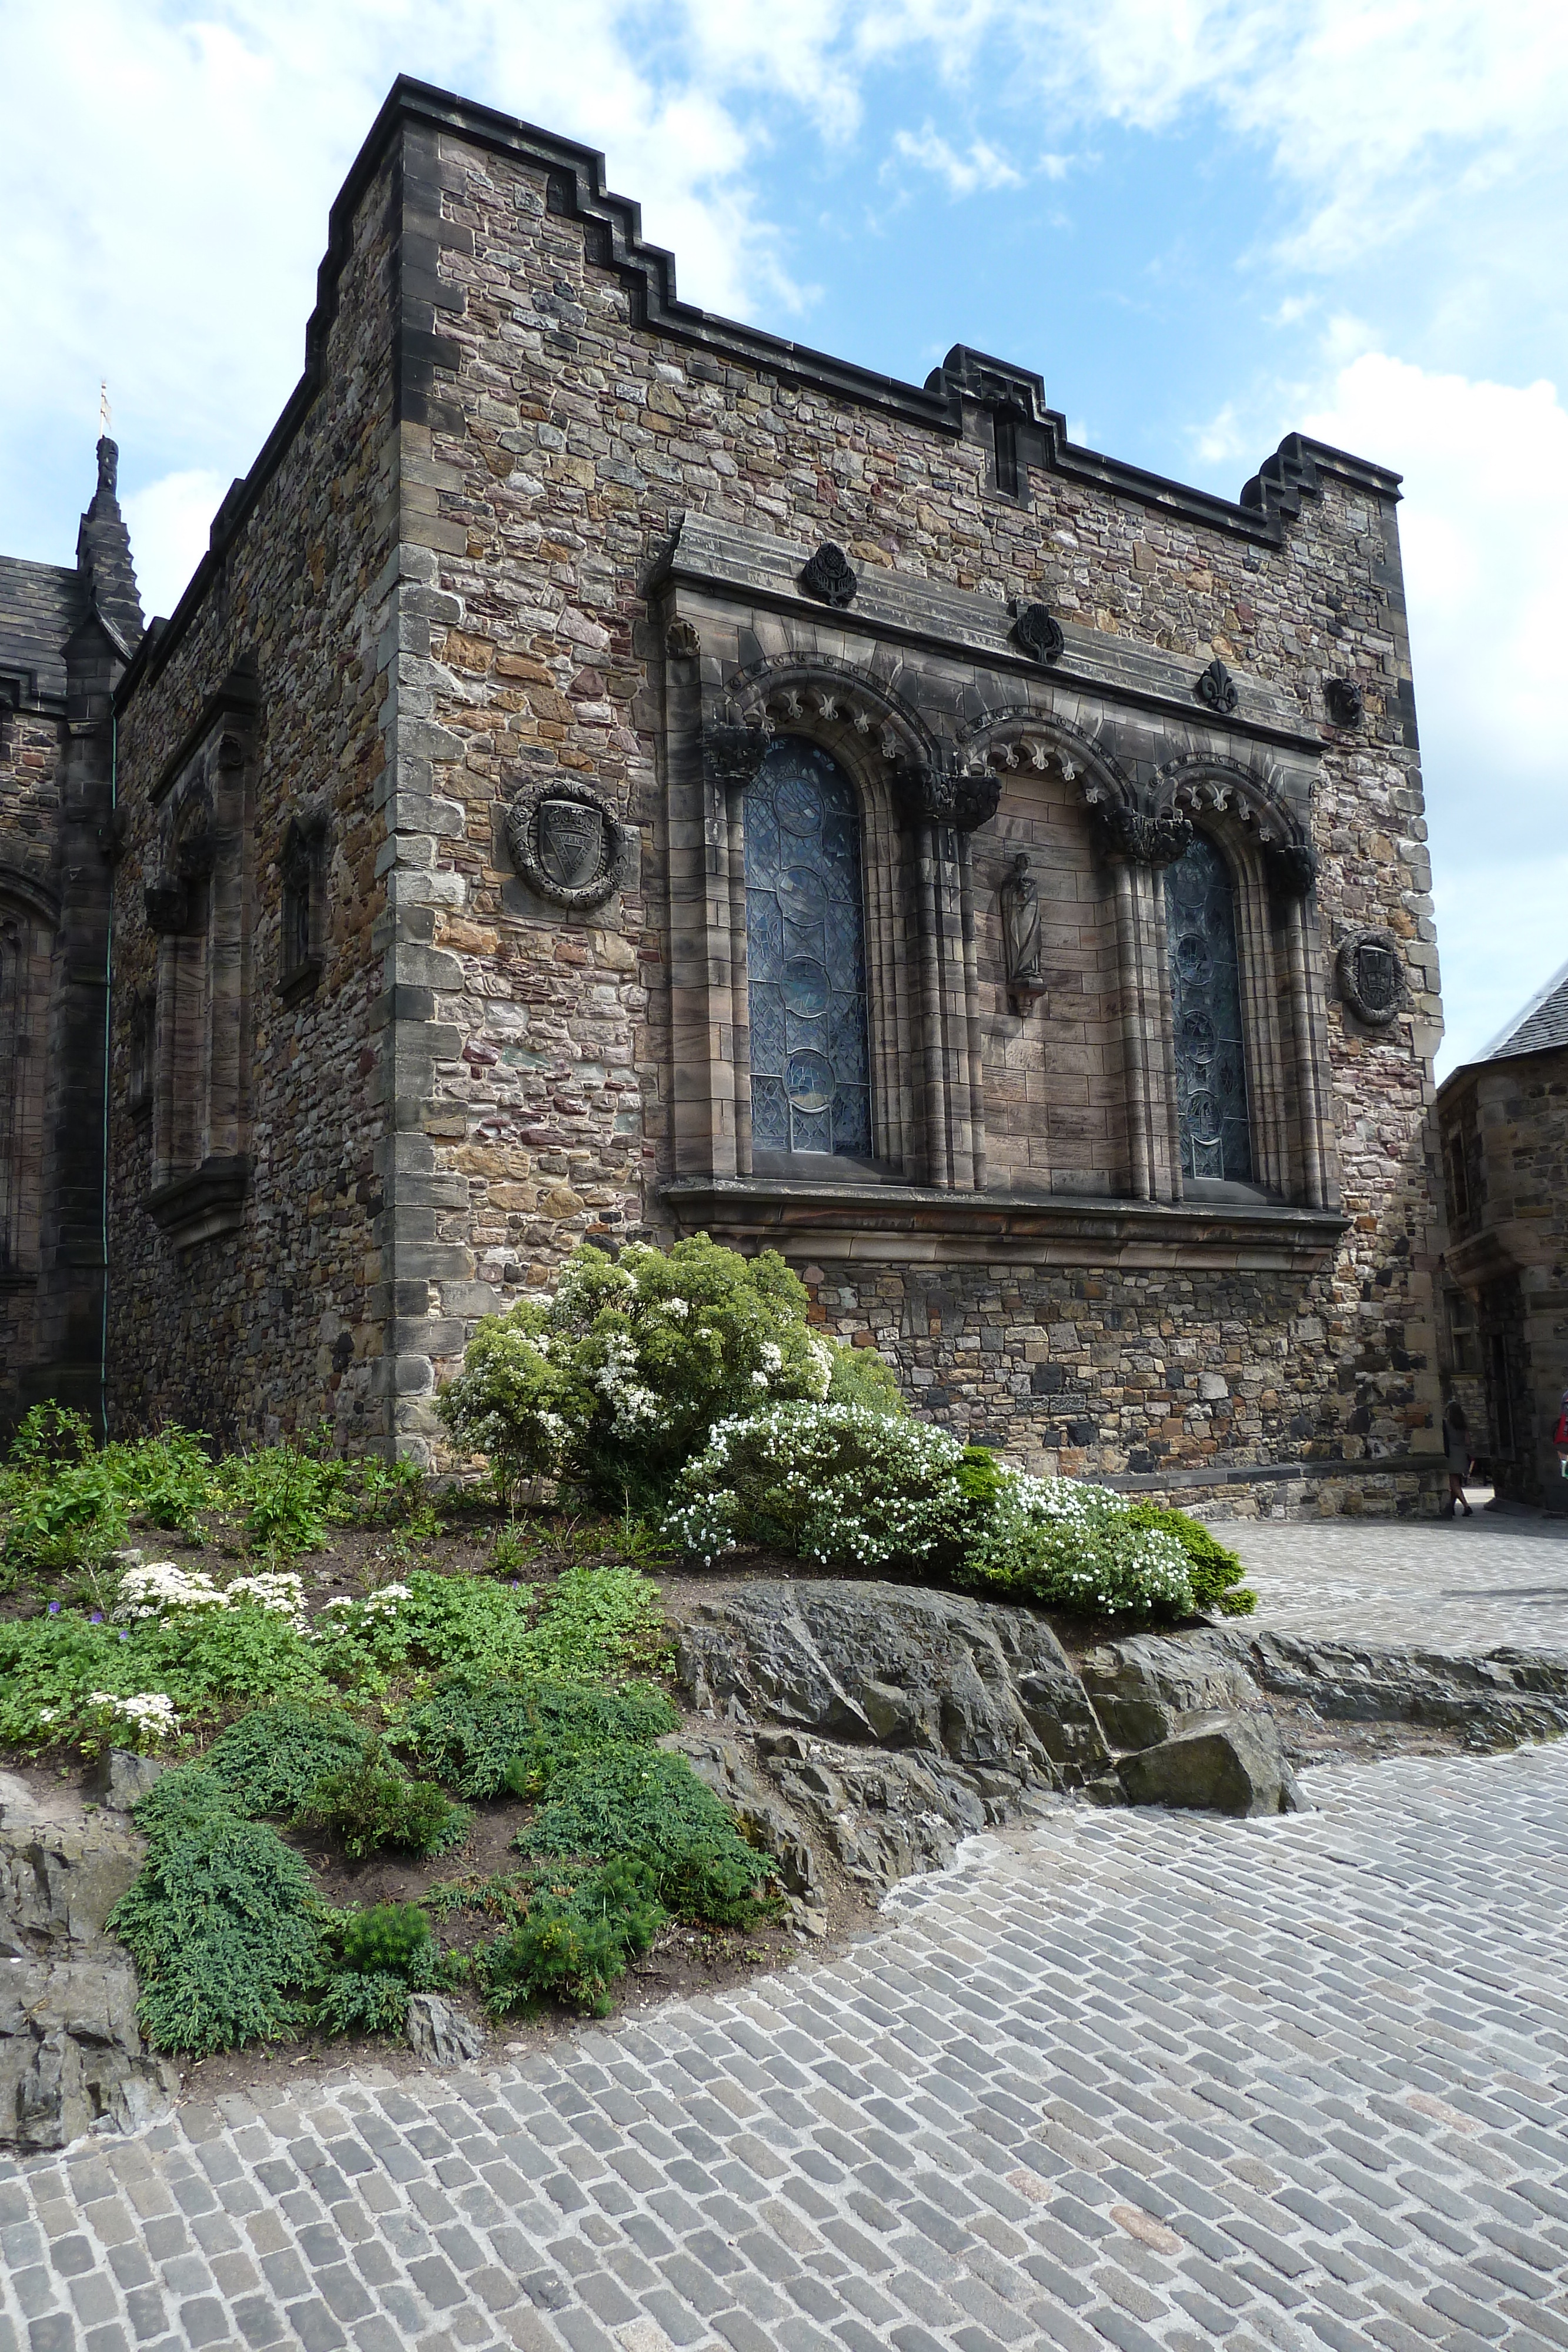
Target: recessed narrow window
(1005, 428)
(805, 945)
(1205, 990)
(304, 900)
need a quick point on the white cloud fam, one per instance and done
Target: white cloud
(170, 521)
(1484, 535)
(981, 165)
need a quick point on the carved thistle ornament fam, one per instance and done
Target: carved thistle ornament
(1038, 632)
(566, 843)
(1371, 971)
(829, 576)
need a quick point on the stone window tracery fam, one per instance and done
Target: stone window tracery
(805, 960)
(1205, 992)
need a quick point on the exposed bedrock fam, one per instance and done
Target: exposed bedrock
(70, 2054)
(986, 1687)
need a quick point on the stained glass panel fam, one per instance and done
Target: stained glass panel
(1205, 987)
(805, 946)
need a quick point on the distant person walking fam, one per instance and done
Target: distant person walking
(1457, 1446)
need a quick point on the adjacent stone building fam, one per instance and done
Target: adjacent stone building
(619, 773)
(1502, 1121)
(66, 635)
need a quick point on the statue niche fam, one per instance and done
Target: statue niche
(1020, 934)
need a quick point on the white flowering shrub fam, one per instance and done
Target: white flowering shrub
(614, 1382)
(833, 1483)
(1079, 1547)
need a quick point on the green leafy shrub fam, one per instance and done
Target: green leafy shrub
(516, 1736)
(366, 1803)
(1214, 1572)
(832, 1482)
(859, 1376)
(64, 1505)
(222, 1923)
(595, 1622)
(288, 1496)
(392, 1939)
(1078, 1548)
(652, 1807)
(575, 1937)
(614, 1382)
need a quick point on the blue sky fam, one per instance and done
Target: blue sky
(1204, 222)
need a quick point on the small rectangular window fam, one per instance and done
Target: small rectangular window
(1005, 428)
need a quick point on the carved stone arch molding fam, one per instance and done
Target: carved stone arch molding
(834, 701)
(1248, 813)
(1021, 737)
(881, 742)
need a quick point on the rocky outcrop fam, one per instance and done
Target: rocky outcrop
(1142, 1688)
(982, 1686)
(70, 2054)
(1225, 1763)
(1497, 1698)
(880, 1814)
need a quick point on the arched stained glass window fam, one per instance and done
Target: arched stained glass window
(1205, 985)
(805, 948)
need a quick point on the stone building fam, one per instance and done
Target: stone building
(616, 773)
(1503, 1123)
(66, 635)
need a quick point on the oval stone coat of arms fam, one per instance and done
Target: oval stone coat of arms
(566, 842)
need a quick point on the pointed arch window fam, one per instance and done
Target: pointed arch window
(805, 946)
(1205, 991)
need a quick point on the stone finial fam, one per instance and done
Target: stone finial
(108, 465)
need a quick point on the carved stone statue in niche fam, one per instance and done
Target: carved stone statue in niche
(1020, 930)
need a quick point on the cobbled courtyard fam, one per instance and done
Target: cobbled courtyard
(1126, 2079)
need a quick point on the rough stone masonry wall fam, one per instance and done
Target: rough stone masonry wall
(564, 446)
(31, 764)
(283, 1322)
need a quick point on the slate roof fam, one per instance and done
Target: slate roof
(1543, 1023)
(40, 604)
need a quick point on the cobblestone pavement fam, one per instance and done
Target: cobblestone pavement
(1479, 1583)
(1121, 2079)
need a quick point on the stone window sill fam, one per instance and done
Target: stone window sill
(301, 981)
(893, 1223)
(198, 1206)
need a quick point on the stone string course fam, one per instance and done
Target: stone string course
(451, 585)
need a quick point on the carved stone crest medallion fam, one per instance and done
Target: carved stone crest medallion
(1345, 701)
(1038, 632)
(1216, 688)
(566, 843)
(1371, 976)
(829, 576)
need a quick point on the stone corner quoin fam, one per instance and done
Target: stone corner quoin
(1108, 1163)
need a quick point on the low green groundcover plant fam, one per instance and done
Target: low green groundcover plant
(652, 1807)
(223, 1923)
(513, 1738)
(385, 1954)
(366, 1803)
(613, 1384)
